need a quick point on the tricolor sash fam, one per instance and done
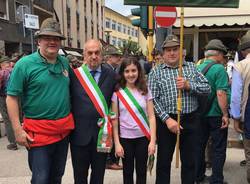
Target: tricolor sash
(104, 142)
(135, 110)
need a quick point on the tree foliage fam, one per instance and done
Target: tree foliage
(130, 48)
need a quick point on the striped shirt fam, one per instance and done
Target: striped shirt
(162, 83)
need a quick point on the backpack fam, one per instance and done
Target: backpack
(203, 101)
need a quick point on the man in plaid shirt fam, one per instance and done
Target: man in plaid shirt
(164, 83)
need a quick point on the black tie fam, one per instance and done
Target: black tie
(93, 72)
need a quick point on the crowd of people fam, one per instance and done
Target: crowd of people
(105, 109)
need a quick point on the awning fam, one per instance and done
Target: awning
(74, 53)
(229, 20)
(215, 16)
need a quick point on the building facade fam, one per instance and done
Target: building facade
(13, 36)
(80, 20)
(118, 28)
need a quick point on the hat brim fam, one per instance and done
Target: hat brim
(112, 54)
(244, 46)
(221, 50)
(50, 33)
(5, 61)
(171, 44)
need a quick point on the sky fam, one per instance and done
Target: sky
(119, 7)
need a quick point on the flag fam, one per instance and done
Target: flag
(186, 3)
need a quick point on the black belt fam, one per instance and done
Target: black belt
(174, 116)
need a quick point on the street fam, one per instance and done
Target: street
(14, 168)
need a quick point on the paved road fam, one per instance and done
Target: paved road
(14, 168)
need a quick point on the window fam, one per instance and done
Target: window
(107, 23)
(124, 29)
(91, 7)
(119, 27)
(114, 41)
(107, 38)
(4, 9)
(86, 27)
(78, 44)
(113, 25)
(132, 32)
(77, 20)
(136, 33)
(128, 30)
(85, 6)
(18, 13)
(68, 16)
(124, 42)
(97, 9)
(119, 42)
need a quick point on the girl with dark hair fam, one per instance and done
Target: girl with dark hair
(135, 134)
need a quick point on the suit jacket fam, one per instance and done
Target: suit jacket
(83, 110)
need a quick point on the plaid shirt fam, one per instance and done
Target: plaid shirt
(162, 83)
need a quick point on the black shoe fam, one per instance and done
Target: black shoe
(12, 146)
(205, 180)
(243, 163)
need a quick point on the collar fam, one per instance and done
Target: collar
(44, 60)
(209, 61)
(113, 68)
(99, 69)
(165, 65)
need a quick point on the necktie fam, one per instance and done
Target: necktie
(93, 72)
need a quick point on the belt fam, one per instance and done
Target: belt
(174, 116)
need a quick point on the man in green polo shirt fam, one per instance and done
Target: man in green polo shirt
(41, 82)
(215, 121)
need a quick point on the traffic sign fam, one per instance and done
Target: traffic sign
(165, 16)
(31, 21)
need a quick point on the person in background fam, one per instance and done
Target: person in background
(133, 104)
(157, 57)
(41, 81)
(112, 58)
(5, 72)
(215, 121)
(72, 61)
(240, 101)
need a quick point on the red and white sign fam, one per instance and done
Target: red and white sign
(165, 16)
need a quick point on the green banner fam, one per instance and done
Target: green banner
(186, 3)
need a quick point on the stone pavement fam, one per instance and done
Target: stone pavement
(14, 168)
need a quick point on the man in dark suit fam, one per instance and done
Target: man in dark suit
(85, 136)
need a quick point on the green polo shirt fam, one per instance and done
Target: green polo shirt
(218, 80)
(42, 87)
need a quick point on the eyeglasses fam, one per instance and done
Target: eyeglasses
(51, 38)
(53, 69)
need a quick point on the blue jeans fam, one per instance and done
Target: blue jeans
(47, 163)
(211, 126)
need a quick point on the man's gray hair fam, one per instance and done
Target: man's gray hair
(208, 53)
